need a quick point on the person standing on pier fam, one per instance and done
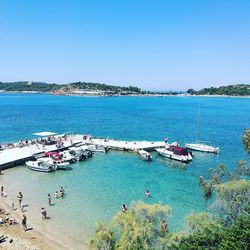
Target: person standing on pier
(20, 199)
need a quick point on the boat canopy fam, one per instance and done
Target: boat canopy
(46, 133)
(179, 150)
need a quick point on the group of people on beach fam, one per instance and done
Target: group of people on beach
(5, 216)
(58, 194)
(12, 221)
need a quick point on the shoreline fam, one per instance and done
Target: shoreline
(36, 237)
(130, 95)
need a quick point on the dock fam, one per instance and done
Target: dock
(11, 157)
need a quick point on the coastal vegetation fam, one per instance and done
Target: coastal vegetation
(224, 225)
(92, 88)
(78, 88)
(230, 90)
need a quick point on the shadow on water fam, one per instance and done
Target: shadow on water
(173, 164)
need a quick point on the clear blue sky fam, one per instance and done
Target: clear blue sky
(153, 44)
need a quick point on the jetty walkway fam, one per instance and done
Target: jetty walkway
(11, 157)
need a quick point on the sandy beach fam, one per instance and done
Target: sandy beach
(34, 238)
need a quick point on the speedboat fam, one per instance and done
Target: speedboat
(176, 153)
(40, 166)
(67, 157)
(60, 164)
(145, 155)
(97, 148)
(202, 147)
(78, 153)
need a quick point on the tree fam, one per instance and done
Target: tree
(246, 139)
(138, 228)
(233, 198)
(103, 238)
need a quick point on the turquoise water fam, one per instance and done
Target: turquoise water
(96, 188)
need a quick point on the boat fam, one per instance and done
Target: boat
(97, 148)
(40, 166)
(67, 157)
(59, 164)
(145, 155)
(78, 153)
(200, 146)
(176, 153)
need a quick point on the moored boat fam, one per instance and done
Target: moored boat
(202, 147)
(176, 153)
(145, 155)
(60, 164)
(78, 153)
(40, 166)
(97, 148)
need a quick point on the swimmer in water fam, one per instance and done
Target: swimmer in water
(124, 208)
(147, 194)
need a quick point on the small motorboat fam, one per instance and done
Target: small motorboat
(97, 148)
(175, 152)
(78, 153)
(145, 155)
(202, 148)
(40, 166)
(67, 157)
(59, 164)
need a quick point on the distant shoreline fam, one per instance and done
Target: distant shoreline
(117, 95)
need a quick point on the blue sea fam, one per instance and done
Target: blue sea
(96, 188)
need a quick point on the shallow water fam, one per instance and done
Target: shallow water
(96, 188)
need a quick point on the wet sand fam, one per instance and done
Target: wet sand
(34, 238)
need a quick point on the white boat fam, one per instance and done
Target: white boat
(97, 148)
(40, 166)
(199, 146)
(78, 153)
(175, 153)
(145, 155)
(67, 157)
(59, 164)
(202, 147)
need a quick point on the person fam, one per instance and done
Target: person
(56, 194)
(20, 198)
(164, 226)
(124, 208)
(61, 191)
(147, 194)
(1, 190)
(13, 206)
(49, 199)
(24, 223)
(43, 213)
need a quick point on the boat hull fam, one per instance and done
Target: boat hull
(32, 165)
(172, 156)
(202, 148)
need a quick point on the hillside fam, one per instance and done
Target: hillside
(230, 90)
(67, 88)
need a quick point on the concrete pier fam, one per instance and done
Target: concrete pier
(15, 156)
